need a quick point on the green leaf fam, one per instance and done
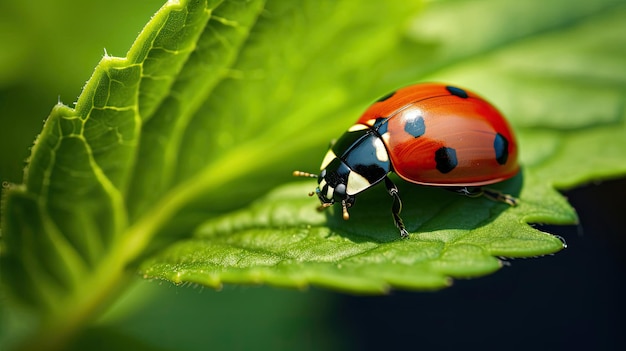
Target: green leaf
(283, 240)
(70, 231)
(218, 101)
(570, 121)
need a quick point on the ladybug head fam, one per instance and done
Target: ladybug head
(337, 183)
(332, 187)
(363, 163)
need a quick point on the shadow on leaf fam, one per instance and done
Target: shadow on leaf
(425, 209)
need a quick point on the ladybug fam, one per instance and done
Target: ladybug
(429, 134)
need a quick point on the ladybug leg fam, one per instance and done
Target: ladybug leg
(396, 208)
(468, 191)
(488, 193)
(498, 196)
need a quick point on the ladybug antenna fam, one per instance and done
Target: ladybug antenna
(304, 174)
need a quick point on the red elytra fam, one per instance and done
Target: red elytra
(452, 118)
(430, 134)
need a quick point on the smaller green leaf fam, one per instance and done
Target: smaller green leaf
(282, 240)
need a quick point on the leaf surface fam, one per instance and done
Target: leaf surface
(164, 160)
(281, 240)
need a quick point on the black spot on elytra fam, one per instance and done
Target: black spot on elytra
(445, 157)
(501, 146)
(383, 98)
(415, 127)
(457, 91)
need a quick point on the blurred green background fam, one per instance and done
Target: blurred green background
(48, 50)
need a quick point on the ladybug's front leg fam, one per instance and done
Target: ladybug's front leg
(396, 208)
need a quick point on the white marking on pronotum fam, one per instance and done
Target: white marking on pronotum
(322, 183)
(330, 156)
(356, 183)
(385, 138)
(357, 127)
(329, 193)
(381, 152)
(371, 122)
